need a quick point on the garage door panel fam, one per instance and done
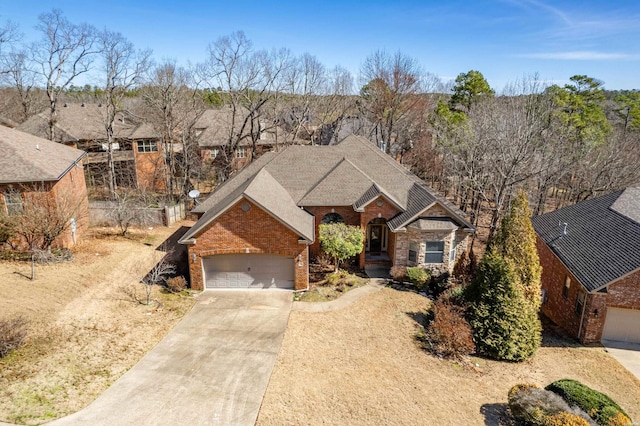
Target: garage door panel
(249, 271)
(622, 325)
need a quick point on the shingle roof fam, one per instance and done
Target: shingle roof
(344, 182)
(215, 125)
(263, 190)
(434, 224)
(28, 158)
(77, 123)
(601, 244)
(351, 173)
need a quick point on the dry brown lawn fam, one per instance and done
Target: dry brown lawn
(362, 366)
(85, 328)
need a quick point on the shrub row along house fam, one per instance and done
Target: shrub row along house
(590, 255)
(259, 228)
(42, 181)
(137, 147)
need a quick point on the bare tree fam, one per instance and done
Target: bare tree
(248, 81)
(158, 275)
(391, 85)
(8, 35)
(123, 68)
(175, 104)
(305, 81)
(46, 216)
(19, 74)
(130, 208)
(65, 52)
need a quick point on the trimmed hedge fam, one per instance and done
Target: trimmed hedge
(599, 406)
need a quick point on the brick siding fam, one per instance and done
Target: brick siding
(70, 190)
(254, 231)
(350, 216)
(624, 293)
(150, 168)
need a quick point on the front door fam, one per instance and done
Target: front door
(377, 234)
(375, 238)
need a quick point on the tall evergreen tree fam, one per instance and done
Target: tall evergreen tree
(515, 240)
(505, 294)
(505, 325)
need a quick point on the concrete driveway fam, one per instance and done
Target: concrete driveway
(212, 369)
(627, 354)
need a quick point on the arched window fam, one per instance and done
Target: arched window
(332, 218)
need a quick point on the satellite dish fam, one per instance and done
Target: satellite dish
(194, 193)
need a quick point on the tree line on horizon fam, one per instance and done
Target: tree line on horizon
(563, 144)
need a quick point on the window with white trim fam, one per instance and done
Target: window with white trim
(14, 203)
(214, 153)
(147, 146)
(241, 152)
(434, 252)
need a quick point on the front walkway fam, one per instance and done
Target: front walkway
(377, 280)
(211, 369)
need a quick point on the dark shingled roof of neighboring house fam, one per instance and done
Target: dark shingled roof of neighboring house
(353, 172)
(602, 241)
(27, 158)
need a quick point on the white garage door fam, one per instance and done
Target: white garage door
(249, 271)
(622, 325)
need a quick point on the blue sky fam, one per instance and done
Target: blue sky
(504, 39)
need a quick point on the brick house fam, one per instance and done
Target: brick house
(259, 228)
(36, 169)
(590, 255)
(137, 147)
(213, 130)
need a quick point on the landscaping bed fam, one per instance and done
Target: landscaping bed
(326, 285)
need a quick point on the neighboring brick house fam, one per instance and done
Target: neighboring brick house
(137, 147)
(213, 130)
(590, 255)
(33, 169)
(259, 229)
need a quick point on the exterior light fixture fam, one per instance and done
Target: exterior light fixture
(193, 258)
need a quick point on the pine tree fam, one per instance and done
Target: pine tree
(505, 325)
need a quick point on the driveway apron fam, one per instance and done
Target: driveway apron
(211, 369)
(627, 354)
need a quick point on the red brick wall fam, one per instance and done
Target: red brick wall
(625, 293)
(70, 192)
(559, 309)
(150, 168)
(254, 231)
(350, 216)
(621, 294)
